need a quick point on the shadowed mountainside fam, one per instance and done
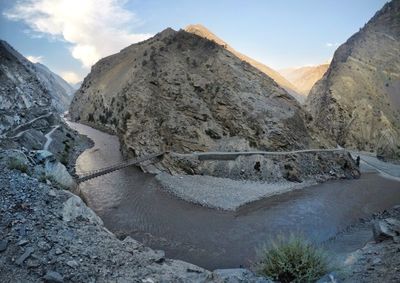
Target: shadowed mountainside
(357, 102)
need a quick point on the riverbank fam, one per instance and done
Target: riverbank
(224, 193)
(228, 181)
(50, 235)
(378, 260)
(134, 203)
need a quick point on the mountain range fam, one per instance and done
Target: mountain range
(304, 78)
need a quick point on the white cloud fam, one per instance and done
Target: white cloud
(35, 59)
(95, 28)
(70, 77)
(329, 44)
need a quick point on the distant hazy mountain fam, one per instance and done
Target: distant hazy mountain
(304, 78)
(182, 92)
(77, 85)
(60, 90)
(357, 102)
(278, 78)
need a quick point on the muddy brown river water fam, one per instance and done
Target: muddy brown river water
(131, 202)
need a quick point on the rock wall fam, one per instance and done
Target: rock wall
(319, 166)
(357, 102)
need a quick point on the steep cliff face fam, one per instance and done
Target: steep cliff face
(357, 102)
(181, 92)
(304, 78)
(27, 90)
(30, 103)
(22, 95)
(202, 31)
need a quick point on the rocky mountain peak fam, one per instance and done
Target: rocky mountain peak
(184, 93)
(202, 31)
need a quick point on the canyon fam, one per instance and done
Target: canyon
(244, 154)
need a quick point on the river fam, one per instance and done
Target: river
(131, 202)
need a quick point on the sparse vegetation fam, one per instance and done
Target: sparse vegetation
(64, 158)
(17, 164)
(293, 260)
(42, 178)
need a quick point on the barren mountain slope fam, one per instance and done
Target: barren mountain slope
(357, 102)
(181, 92)
(27, 90)
(202, 31)
(22, 95)
(61, 91)
(304, 78)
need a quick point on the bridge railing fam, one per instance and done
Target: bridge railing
(102, 171)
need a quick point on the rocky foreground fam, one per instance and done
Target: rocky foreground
(50, 235)
(379, 260)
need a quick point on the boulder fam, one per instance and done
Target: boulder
(58, 173)
(53, 277)
(74, 208)
(386, 229)
(42, 155)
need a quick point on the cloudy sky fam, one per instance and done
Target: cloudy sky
(69, 36)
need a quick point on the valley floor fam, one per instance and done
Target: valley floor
(224, 193)
(49, 234)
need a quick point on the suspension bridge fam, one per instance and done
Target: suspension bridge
(99, 172)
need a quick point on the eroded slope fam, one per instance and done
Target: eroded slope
(357, 102)
(180, 92)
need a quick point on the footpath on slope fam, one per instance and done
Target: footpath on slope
(49, 138)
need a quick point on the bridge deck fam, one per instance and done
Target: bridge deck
(99, 172)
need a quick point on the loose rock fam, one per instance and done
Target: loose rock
(3, 245)
(24, 256)
(53, 277)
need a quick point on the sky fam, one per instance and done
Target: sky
(69, 36)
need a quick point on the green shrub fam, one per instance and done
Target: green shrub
(42, 178)
(17, 164)
(293, 260)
